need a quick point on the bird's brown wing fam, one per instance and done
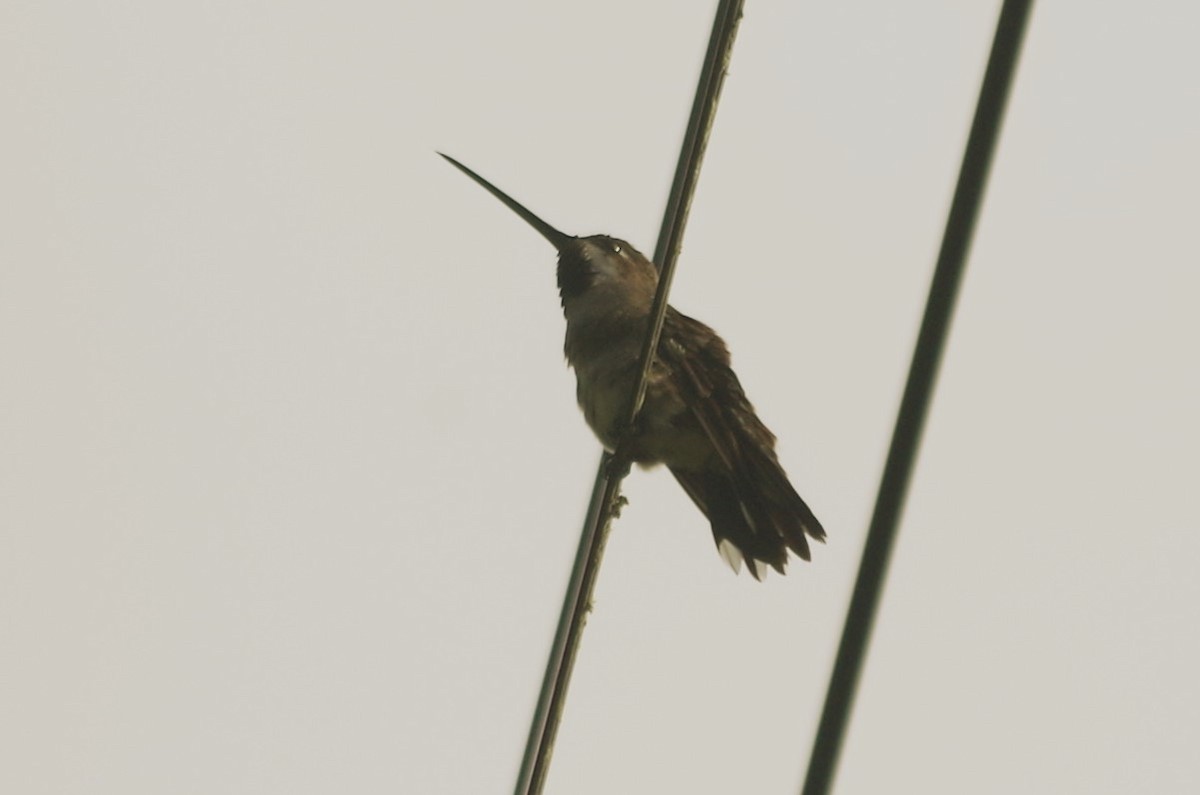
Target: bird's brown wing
(710, 388)
(774, 514)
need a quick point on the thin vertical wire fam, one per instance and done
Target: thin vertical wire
(914, 406)
(606, 490)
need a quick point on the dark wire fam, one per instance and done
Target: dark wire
(914, 407)
(606, 491)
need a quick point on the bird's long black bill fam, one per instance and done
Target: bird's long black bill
(556, 238)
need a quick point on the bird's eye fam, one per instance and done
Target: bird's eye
(616, 248)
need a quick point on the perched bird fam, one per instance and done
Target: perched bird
(695, 417)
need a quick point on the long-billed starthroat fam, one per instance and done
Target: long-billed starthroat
(695, 418)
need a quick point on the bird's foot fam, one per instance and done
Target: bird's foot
(619, 463)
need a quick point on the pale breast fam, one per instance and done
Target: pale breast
(603, 396)
(664, 433)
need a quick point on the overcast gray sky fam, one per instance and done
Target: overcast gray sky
(292, 473)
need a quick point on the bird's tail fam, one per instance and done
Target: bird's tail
(756, 514)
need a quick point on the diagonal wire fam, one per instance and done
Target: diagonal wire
(613, 468)
(914, 406)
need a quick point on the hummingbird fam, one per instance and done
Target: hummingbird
(695, 418)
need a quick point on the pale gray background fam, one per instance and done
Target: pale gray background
(292, 472)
